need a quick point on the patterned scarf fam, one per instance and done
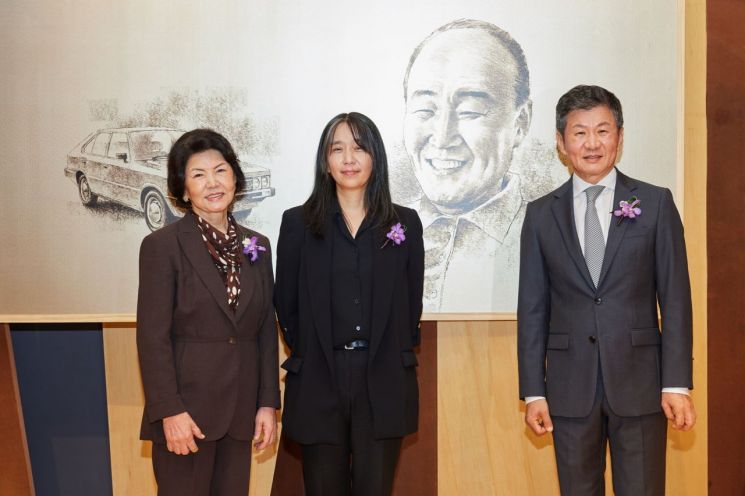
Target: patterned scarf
(225, 250)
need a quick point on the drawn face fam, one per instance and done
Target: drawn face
(349, 165)
(461, 122)
(591, 142)
(210, 184)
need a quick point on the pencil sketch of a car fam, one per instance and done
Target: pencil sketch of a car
(129, 166)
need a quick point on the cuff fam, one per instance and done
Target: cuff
(166, 408)
(677, 390)
(269, 397)
(531, 399)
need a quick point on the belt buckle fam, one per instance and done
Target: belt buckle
(348, 346)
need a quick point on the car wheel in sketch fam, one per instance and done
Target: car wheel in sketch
(87, 197)
(156, 210)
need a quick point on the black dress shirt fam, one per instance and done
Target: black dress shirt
(351, 280)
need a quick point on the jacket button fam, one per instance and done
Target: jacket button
(232, 340)
(598, 300)
(592, 339)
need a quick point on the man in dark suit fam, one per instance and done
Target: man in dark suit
(592, 274)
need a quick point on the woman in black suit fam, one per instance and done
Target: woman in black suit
(348, 295)
(206, 332)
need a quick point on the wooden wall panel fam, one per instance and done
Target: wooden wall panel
(131, 459)
(14, 460)
(484, 445)
(726, 237)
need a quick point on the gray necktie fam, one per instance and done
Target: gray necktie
(594, 239)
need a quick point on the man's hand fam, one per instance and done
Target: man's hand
(265, 431)
(679, 410)
(537, 417)
(180, 431)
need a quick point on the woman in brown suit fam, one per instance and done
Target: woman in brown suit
(206, 332)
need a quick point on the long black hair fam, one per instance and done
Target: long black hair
(378, 204)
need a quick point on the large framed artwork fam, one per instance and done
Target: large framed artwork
(94, 94)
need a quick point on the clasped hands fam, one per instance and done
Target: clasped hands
(181, 430)
(678, 409)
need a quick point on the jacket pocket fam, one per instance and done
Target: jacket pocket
(408, 358)
(557, 342)
(645, 337)
(293, 364)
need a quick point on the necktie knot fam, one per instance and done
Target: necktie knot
(593, 192)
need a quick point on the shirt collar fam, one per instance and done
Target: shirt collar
(493, 217)
(579, 185)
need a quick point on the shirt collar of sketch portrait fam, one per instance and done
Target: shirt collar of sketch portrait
(591, 142)
(495, 217)
(210, 187)
(466, 111)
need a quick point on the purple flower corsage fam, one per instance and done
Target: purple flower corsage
(628, 209)
(395, 235)
(251, 247)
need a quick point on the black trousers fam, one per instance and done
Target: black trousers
(219, 468)
(360, 465)
(637, 450)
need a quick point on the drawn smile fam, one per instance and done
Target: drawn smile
(445, 165)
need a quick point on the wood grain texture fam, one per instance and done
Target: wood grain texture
(725, 238)
(484, 445)
(687, 459)
(16, 467)
(131, 459)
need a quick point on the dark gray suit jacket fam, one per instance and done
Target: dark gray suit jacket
(567, 328)
(196, 354)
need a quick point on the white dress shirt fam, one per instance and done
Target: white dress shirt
(604, 206)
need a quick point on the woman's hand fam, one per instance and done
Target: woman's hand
(180, 431)
(265, 431)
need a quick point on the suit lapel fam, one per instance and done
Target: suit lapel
(190, 239)
(624, 190)
(384, 268)
(317, 253)
(250, 277)
(563, 210)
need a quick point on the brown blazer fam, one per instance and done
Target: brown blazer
(196, 355)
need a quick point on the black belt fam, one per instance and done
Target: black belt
(357, 344)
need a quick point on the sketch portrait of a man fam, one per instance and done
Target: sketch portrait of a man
(468, 108)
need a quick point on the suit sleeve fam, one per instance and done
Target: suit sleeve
(674, 297)
(533, 310)
(268, 342)
(415, 273)
(289, 248)
(155, 302)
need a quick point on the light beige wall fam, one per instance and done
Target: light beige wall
(484, 447)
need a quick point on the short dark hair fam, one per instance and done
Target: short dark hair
(586, 97)
(193, 142)
(522, 84)
(378, 202)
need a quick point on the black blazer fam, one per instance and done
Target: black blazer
(196, 355)
(302, 296)
(566, 328)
